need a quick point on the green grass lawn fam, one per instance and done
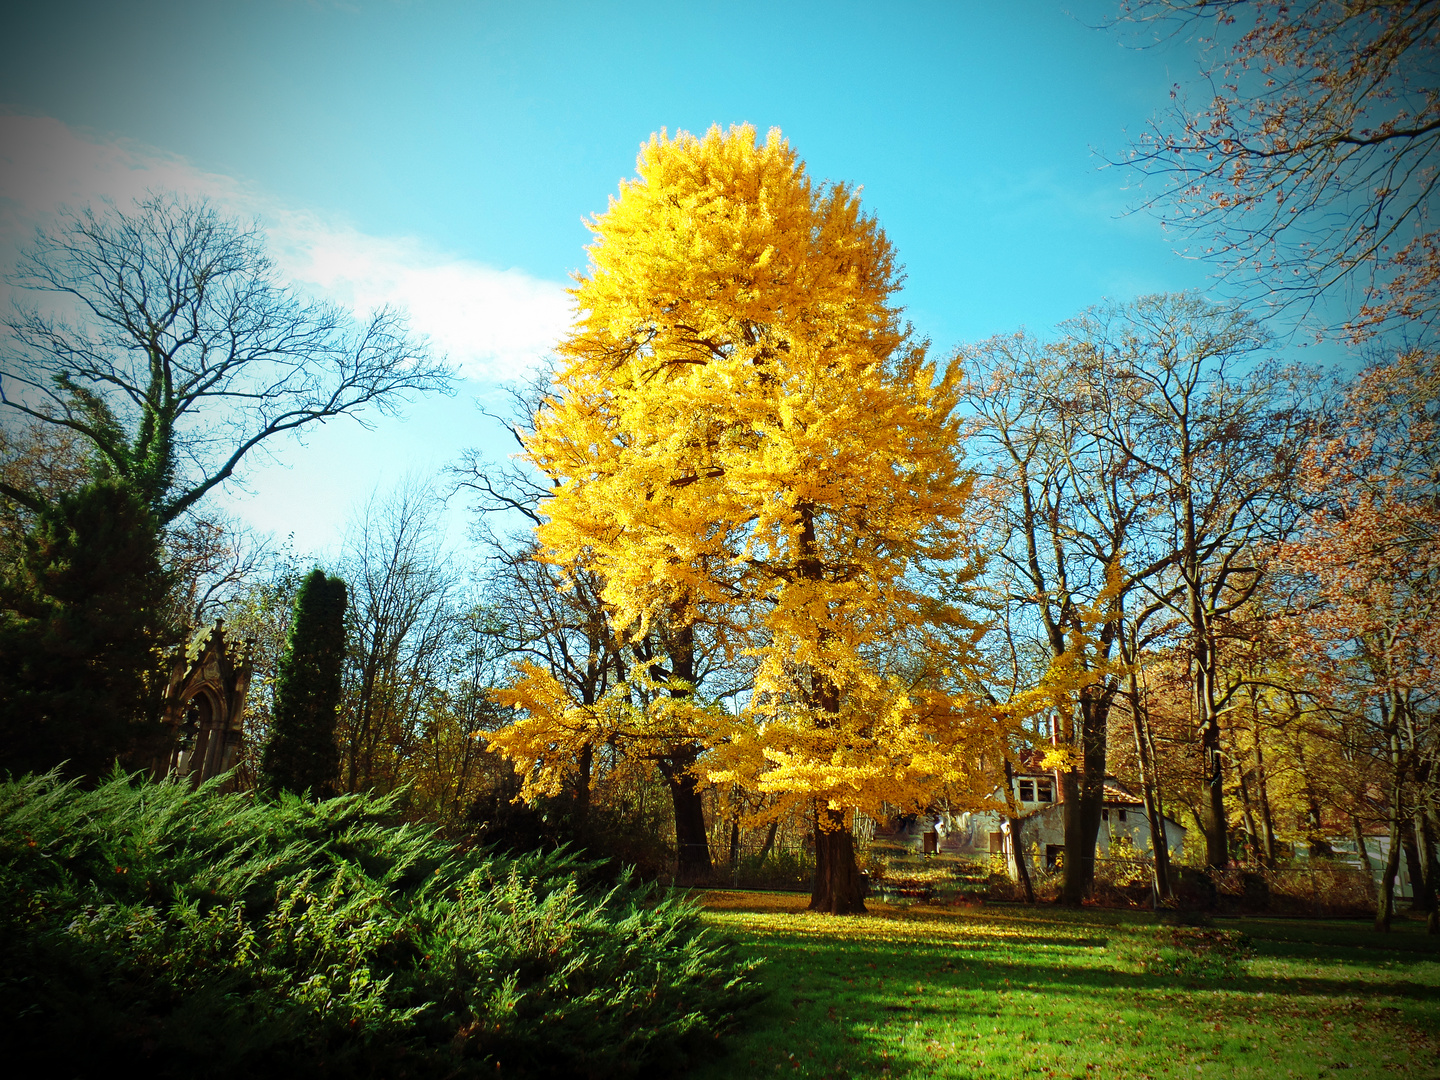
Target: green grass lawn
(1017, 992)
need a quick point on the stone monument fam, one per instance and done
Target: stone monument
(204, 705)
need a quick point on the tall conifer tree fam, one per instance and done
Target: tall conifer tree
(302, 754)
(83, 634)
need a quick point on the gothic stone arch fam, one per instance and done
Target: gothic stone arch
(205, 704)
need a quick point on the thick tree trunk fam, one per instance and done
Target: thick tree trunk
(1413, 866)
(1365, 859)
(1084, 799)
(1423, 872)
(1320, 847)
(1212, 806)
(1426, 833)
(1081, 816)
(1267, 818)
(1207, 713)
(1022, 869)
(692, 842)
(1072, 881)
(1247, 818)
(1385, 904)
(1017, 847)
(1204, 666)
(839, 889)
(1424, 879)
(692, 845)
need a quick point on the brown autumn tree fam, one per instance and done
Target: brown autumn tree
(1371, 552)
(403, 615)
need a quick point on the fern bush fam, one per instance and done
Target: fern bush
(181, 930)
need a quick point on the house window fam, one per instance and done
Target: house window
(1122, 814)
(1104, 814)
(1045, 790)
(1027, 790)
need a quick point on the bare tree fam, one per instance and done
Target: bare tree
(564, 627)
(403, 616)
(171, 348)
(1312, 165)
(213, 558)
(1219, 429)
(1146, 463)
(1139, 634)
(558, 623)
(1071, 507)
(450, 760)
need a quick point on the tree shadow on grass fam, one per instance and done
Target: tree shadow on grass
(848, 993)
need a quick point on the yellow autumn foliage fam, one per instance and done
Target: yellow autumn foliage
(552, 730)
(743, 430)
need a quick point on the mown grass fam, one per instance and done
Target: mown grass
(1045, 993)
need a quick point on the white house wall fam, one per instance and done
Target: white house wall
(1045, 828)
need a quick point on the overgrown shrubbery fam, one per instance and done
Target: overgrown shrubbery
(1317, 890)
(178, 930)
(617, 839)
(778, 870)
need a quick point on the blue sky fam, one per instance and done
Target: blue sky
(445, 155)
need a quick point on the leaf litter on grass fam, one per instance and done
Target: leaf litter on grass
(1046, 992)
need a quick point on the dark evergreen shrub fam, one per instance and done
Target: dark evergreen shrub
(186, 932)
(83, 635)
(619, 838)
(301, 754)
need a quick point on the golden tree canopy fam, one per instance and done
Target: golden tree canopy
(743, 426)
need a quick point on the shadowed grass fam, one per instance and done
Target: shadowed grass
(1044, 993)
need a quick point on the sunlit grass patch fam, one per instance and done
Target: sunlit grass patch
(1044, 992)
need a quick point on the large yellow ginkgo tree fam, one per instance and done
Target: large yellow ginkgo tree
(742, 424)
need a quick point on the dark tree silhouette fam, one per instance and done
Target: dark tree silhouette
(302, 754)
(83, 630)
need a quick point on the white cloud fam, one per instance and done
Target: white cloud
(494, 324)
(44, 166)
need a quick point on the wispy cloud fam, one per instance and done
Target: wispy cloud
(494, 324)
